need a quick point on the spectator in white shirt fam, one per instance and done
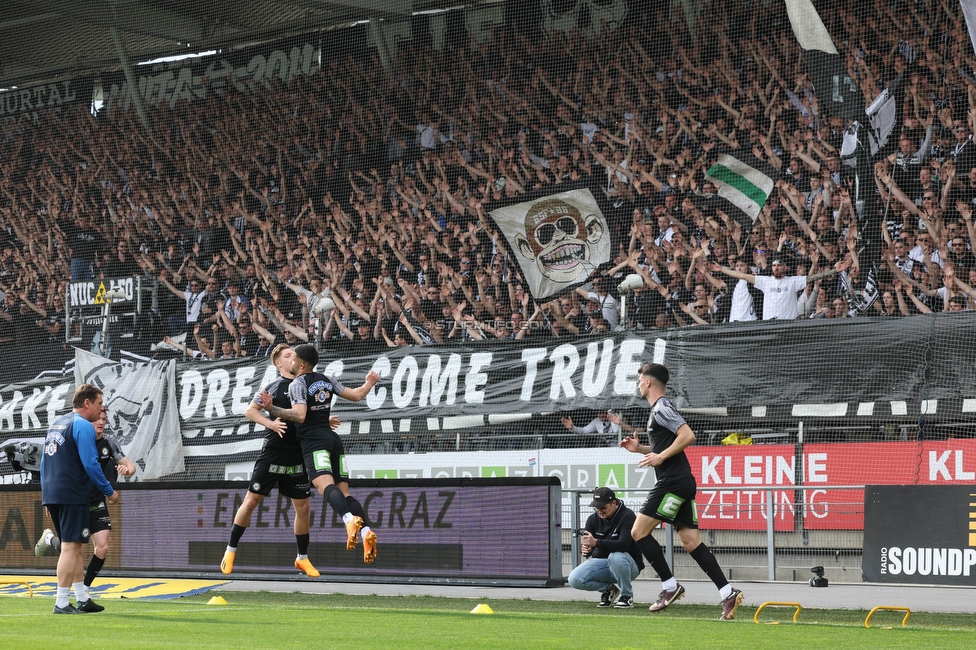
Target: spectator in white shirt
(601, 425)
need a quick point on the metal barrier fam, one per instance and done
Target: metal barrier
(774, 551)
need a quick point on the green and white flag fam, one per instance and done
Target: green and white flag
(745, 182)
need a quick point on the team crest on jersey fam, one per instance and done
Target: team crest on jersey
(320, 391)
(104, 452)
(50, 448)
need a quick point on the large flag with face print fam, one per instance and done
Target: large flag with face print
(142, 408)
(558, 240)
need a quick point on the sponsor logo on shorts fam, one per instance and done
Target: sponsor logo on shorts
(670, 505)
(287, 469)
(85, 532)
(256, 487)
(323, 461)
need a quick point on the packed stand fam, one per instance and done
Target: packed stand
(257, 212)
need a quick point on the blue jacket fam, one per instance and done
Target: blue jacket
(69, 466)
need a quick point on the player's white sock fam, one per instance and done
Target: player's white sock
(232, 549)
(725, 591)
(81, 591)
(61, 599)
(346, 518)
(670, 584)
(364, 531)
(301, 557)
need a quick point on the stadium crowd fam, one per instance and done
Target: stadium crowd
(372, 190)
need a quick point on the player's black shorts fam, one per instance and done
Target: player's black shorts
(324, 454)
(673, 502)
(71, 522)
(292, 480)
(98, 517)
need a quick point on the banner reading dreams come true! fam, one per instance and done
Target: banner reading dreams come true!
(760, 372)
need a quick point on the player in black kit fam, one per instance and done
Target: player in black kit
(280, 463)
(325, 457)
(672, 499)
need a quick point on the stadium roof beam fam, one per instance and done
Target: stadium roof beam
(130, 78)
(340, 12)
(129, 16)
(28, 20)
(44, 40)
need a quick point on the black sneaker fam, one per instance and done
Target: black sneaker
(90, 607)
(608, 596)
(665, 598)
(68, 609)
(731, 604)
(624, 602)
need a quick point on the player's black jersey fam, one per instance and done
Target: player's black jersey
(109, 453)
(315, 390)
(662, 429)
(281, 449)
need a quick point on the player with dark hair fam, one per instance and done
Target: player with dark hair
(325, 458)
(69, 472)
(114, 463)
(280, 463)
(672, 499)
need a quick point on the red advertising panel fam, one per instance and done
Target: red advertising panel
(755, 468)
(942, 462)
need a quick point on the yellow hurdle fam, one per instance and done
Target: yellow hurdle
(796, 614)
(30, 590)
(904, 621)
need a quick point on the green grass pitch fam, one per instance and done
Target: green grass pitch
(273, 620)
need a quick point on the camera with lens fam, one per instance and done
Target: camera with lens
(818, 579)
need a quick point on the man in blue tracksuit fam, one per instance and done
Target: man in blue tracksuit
(69, 472)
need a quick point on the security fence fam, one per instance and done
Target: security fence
(766, 553)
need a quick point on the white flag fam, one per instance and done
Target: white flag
(809, 29)
(969, 11)
(140, 400)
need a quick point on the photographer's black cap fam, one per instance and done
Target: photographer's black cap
(601, 497)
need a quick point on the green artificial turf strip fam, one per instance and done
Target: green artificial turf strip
(276, 620)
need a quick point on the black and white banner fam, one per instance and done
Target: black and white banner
(558, 239)
(837, 92)
(139, 401)
(760, 371)
(883, 116)
(28, 100)
(195, 80)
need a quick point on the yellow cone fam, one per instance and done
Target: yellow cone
(482, 609)
(217, 600)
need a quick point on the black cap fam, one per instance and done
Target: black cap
(602, 497)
